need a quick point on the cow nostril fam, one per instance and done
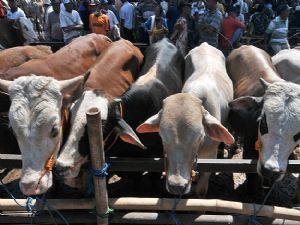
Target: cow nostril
(269, 176)
(25, 187)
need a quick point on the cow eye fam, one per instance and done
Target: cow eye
(263, 126)
(297, 137)
(54, 131)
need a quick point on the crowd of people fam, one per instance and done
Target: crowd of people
(221, 23)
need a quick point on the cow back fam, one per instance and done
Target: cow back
(70, 61)
(116, 69)
(16, 56)
(245, 66)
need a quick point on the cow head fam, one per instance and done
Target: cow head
(35, 118)
(278, 126)
(183, 130)
(75, 151)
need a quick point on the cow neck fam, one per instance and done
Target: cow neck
(50, 161)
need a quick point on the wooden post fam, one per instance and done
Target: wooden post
(94, 126)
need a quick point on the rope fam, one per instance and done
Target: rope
(173, 215)
(31, 208)
(253, 218)
(104, 215)
(102, 172)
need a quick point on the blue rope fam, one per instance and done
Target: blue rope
(173, 215)
(102, 172)
(253, 218)
(12, 196)
(30, 207)
(51, 209)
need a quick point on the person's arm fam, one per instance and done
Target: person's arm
(78, 26)
(239, 24)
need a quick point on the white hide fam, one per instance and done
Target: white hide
(34, 112)
(287, 63)
(69, 156)
(281, 107)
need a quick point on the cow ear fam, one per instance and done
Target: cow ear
(151, 125)
(264, 83)
(215, 130)
(73, 88)
(127, 134)
(5, 85)
(247, 103)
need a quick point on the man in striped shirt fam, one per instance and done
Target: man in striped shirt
(277, 31)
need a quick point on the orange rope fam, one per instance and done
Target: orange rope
(258, 144)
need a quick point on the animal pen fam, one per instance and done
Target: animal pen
(129, 210)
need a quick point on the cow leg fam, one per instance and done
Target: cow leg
(297, 195)
(202, 185)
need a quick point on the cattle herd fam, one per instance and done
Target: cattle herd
(176, 107)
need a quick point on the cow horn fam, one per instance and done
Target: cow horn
(67, 86)
(264, 83)
(4, 85)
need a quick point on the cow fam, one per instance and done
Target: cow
(70, 61)
(16, 56)
(267, 114)
(189, 123)
(287, 63)
(160, 76)
(38, 105)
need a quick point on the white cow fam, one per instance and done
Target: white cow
(35, 115)
(190, 122)
(287, 63)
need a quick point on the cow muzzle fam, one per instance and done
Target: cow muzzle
(269, 176)
(69, 170)
(178, 185)
(32, 185)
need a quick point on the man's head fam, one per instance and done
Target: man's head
(232, 11)
(283, 11)
(56, 6)
(13, 5)
(104, 4)
(46, 3)
(211, 4)
(185, 9)
(158, 11)
(94, 5)
(68, 5)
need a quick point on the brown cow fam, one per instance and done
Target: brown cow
(70, 61)
(16, 56)
(37, 104)
(245, 66)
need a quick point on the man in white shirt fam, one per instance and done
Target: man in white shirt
(70, 22)
(15, 12)
(126, 16)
